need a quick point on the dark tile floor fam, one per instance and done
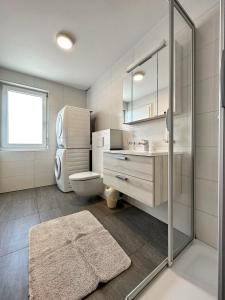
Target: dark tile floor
(143, 238)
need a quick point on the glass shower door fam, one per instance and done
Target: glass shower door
(179, 209)
(181, 135)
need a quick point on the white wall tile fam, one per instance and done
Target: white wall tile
(207, 196)
(207, 228)
(16, 155)
(207, 129)
(16, 168)
(207, 100)
(44, 155)
(207, 61)
(152, 39)
(207, 163)
(14, 183)
(71, 95)
(44, 165)
(44, 178)
(207, 95)
(120, 67)
(207, 26)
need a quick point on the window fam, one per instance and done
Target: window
(23, 118)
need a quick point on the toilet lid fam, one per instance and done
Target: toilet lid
(84, 176)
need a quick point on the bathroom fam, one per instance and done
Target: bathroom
(165, 219)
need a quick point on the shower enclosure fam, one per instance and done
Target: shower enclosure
(179, 36)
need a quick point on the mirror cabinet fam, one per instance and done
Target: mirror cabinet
(146, 87)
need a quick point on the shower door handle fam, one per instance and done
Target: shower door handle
(167, 120)
(222, 78)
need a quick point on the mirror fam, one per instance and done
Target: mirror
(140, 92)
(145, 89)
(127, 99)
(163, 81)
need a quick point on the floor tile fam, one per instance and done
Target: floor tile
(99, 208)
(50, 214)
(57, 212)
(123, 234)
(145, 226)
(15, 206)
(14, 233)
(14, 276)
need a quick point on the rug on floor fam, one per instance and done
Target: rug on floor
(70, 256)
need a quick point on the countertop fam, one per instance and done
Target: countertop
(133, 152)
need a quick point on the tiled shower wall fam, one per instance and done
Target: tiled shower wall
(27, 169)
(207, 100)
(105, 99)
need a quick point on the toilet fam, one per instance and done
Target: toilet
(90, 183)
(87, 184)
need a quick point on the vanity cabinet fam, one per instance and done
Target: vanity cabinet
(142, 177)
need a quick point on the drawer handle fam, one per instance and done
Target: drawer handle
(121, 177)
(121, 157)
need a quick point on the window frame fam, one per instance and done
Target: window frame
(5, 145)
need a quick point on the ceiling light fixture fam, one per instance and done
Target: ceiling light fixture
(138, 76)
(65, 40)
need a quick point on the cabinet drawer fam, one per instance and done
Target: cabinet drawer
(133, 165)
(136, 188)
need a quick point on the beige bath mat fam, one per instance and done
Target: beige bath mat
(70, 256)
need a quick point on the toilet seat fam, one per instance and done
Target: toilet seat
(87, 184)
(84, 176)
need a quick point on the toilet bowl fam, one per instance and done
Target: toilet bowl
(87, 184)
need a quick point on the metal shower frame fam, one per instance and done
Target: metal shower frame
(221, 156)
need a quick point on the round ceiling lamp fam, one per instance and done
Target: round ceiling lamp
(64, 40)
(138, 76)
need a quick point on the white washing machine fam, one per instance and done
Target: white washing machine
(68, 162)
(73, 128)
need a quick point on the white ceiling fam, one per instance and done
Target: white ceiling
(104, 30)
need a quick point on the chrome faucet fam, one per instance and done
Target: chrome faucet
(145, 143)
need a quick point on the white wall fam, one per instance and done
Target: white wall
(105, 99)
(28, 169)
